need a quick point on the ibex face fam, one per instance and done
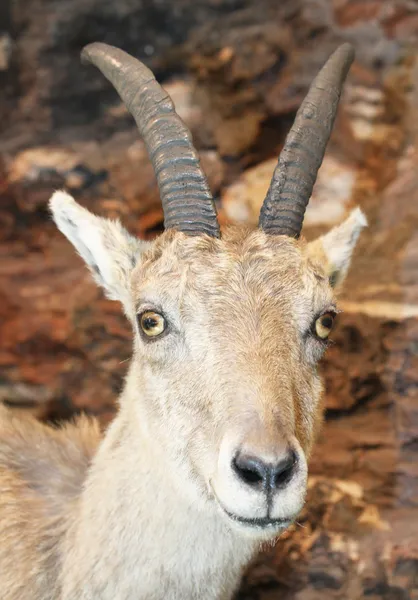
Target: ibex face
(231, 384)
(228, 329)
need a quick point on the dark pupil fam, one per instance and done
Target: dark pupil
(327, 322)
(149, 323)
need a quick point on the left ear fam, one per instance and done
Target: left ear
(107, 248)
(334, 249)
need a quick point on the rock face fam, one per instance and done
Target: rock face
(237, 71)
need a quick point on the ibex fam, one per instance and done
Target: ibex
(207, 456)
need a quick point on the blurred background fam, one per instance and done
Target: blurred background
(237, 71)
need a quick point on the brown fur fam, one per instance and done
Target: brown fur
(42, 471)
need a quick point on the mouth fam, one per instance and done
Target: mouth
(263, 523)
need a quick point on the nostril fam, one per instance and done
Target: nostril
(251, 477)
(249, 469)
(283, 471)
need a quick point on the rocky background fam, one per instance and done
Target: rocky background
(237, 71)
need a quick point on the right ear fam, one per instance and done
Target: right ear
(334, 249)
(109, 250)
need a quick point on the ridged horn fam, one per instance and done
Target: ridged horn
(185, 195)
(293, 179)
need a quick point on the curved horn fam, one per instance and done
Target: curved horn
(187, 202)
(295, 174)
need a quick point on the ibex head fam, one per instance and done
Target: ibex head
(228, 328)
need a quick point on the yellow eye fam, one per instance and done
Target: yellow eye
(152, 323)
(323, 325)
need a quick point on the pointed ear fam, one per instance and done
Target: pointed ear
(109, 250)
(334, 249)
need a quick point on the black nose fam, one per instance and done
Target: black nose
(257, 473)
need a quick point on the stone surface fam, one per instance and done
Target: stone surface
(237, 71)
(242, 200)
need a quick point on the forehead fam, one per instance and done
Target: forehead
(243, 266)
